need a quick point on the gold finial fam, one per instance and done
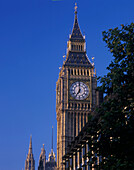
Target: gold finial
(75, 7)
(93, 61)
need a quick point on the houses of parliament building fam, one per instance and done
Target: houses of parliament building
(76, 98)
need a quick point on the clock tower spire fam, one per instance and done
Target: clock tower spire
(75, 91)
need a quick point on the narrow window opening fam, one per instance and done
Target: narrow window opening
(78, 71)
(75, 72)
(72, 72)
(88, 72)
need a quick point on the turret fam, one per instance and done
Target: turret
(52, 155)
(42, 159)
(30, 162)
(51, 163)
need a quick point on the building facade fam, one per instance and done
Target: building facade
(77, 155)
(75, 92)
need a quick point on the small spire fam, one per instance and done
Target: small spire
(30, 145)
(76, 33)
(52, 138)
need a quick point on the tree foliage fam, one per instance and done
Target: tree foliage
(114, 134)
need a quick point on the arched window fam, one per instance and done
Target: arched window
(78, 72)
(88, 72)
(81, 71)
(72, 71)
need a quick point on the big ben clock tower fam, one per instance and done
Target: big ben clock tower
(75, 91)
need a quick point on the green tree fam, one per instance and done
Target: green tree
(116, 119)
(113, 123)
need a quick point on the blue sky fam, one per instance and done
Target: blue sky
(33, 40)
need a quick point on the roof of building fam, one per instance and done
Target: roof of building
(77, 59)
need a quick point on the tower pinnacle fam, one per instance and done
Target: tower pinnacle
(52, 140)
(42, 159)
(30, 162)
(30, 145)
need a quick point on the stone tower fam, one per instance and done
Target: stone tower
(75, 91)
(30, 162)
(42, 160)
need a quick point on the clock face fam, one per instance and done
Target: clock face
(79, 91)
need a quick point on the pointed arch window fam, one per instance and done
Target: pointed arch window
(88, 72)
(84, 72)
(81, 71)
(72, 71)
(78, 72)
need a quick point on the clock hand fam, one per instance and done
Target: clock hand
(79, 88)
(78, 91)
